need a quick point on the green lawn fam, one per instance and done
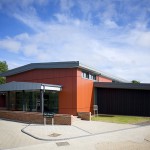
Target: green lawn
(120, 119)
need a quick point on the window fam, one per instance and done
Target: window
(94, 77)
(88, 75)
(51, 102)
(83, 74)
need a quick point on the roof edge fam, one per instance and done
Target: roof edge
(103, 74)
(44, 65)
(140, 86)
(65, 64)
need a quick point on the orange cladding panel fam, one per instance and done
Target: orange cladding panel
(85, 93)
(103, 79)
(65, 77)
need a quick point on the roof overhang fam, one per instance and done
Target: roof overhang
(26, 86)
(60, 65)
(140, 86)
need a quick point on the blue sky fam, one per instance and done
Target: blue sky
(110, 35)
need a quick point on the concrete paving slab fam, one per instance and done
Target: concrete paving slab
(102, 136)
(77, 130)
(11, 135)
(122, 146)
(147, 138)
(54, 132)
(94, 127)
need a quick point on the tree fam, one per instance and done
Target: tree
(135, 81)
(3, 68)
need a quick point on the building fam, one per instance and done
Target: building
(62, 87)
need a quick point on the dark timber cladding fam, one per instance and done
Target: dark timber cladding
(123, 98)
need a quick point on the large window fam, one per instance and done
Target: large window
(19, 102)
(15, 101)
(31, 101)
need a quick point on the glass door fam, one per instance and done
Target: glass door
(51, 101)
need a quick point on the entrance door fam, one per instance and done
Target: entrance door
(51, 101)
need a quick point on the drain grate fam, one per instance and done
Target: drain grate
(62, 144)
(54, 135)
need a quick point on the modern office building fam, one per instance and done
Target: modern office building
(69, 88)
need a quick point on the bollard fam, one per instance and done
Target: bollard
(52, 121)
(44, 121)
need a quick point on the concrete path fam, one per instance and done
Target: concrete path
(11, 135)
(79, 129)
(82, 135)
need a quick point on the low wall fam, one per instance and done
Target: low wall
(29, 117)
(84, 115)
(35, 117)
(63, 119)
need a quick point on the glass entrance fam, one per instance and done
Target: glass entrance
(31, 101)
(51, 101)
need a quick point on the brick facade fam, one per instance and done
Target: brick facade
(28, 117)
(63, 119)
(35, 117)
(85, 115)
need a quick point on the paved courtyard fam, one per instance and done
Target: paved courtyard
(81, 135)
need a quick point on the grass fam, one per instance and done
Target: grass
(120, 119)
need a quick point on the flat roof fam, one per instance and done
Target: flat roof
(138, 86)
(20, 86)
(52, 65)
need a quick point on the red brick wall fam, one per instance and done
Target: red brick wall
(28, 117)
(34, 117)
(63, 119)
(60, 119)
(85, 115)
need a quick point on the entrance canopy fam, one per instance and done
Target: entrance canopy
(20, 86)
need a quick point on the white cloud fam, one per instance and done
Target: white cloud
(30, 20)
(30, 50)
(61, 42)
(120, 51)
(67, 42)
(143, 39)
(110, 24)
(10, 45)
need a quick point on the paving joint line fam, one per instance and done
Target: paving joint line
(82, 129)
